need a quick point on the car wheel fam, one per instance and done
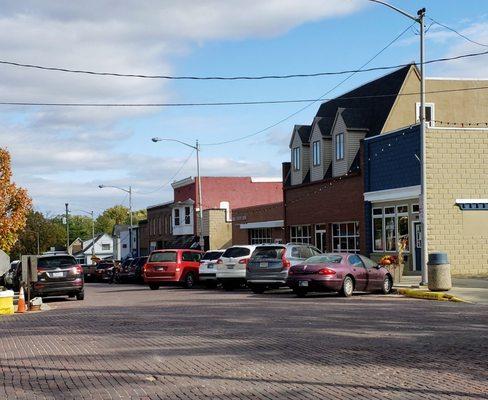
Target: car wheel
(80, 296)
(153, 286)
(347, 287)
(258, 289)
(300, 292)
(387, 284)
(189, 282)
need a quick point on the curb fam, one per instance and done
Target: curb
(428, 295)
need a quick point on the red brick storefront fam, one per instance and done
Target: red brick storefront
(328, 210)
(265, 221)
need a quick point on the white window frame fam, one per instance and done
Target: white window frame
(105, 244)
(187, 216)
(176, 218)
(296, 158)
(301, 234)
(316, 153)
(396, 216)
(339, 147)
(432, 113)
(379, 216)
(261, 236)
(356, 235)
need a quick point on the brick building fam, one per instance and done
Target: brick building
(220, 195)
(258, 224)
(158, 227)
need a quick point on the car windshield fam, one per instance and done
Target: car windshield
(55, 262)
(212, 255)
(268, 252)
(236, 252)
(166, 256)
(324, 258)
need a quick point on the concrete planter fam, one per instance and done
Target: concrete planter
(396, 272)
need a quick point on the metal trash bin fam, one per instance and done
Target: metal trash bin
(439, 272)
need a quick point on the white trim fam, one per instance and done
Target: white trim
(183, 182)
(264, 224)
(404, 193)
(380, 135)
(430, 123)
(471, 201)
(266, 179)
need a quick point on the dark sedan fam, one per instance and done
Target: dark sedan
(105, 271)
(341, 272)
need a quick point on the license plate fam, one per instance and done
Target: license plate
(57, 274)
(210, 266)
(159, 268)
(263, 265)
(230, 267)
(303, 283)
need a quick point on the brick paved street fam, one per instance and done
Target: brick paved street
(125, 341)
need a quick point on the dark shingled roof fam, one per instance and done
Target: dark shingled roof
(373, 110)
(304, 132)
(355, 118)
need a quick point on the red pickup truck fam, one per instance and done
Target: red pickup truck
(174, 266)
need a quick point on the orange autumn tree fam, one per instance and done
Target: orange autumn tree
(14, 205)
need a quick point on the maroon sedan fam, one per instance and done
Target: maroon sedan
(339, 272)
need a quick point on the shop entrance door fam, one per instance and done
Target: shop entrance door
(417, 229)
(321, 238)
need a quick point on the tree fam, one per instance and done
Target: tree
(14, 205)
(80, 226)
(117, 215)
(51, 232)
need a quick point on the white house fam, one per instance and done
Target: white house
(103, 249)
(121, 241)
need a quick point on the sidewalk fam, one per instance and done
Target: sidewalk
(474, 290)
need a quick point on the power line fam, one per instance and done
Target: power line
(235, 78)
(313, 102)
(231, 103)
(172, 177)
(458, 33)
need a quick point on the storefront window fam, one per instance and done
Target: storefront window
(260, 236)
(390, 235)
(345, 237)
(390, 225)
(301, 234)
(378, 234)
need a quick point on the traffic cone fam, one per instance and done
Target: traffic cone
(21, 303)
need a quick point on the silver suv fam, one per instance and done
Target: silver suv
(269, 264)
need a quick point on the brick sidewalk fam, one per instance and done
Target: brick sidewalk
(128, 342)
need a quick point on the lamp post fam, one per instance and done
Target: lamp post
(423, 198)
(129, 191)
(93, 229)
(199, 181)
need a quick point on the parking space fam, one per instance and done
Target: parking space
(126, 341)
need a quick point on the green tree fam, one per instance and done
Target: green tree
(80, 226)
(112, 216)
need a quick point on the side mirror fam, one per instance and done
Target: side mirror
(378, 266)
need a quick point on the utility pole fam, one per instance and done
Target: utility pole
(420, 19)
(130, 228)
(67, 227)
(200, 203)
(93, 235)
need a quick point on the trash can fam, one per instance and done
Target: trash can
(439, 272)
(6, 302)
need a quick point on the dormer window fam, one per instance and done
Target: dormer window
(339, 147)
(316, 153)
(177, 217)
(429, 113)
(296, 158)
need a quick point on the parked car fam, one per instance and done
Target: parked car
(339, 272)
(172, 266)
(231, 266)
(269, 264)
(105, 271)
(124, 272)
(138, 266)
(89, 271)
(58, 275)
(12, 278)
(207, 272)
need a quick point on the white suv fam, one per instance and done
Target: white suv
(207, 270)
(231, 267)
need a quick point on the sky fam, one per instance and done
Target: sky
(62, 154)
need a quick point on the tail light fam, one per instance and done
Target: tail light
(77, 270)
(326, 271)
(145, 267)
(286, 263)
(291, 272)
(244, 261)
(219, 261)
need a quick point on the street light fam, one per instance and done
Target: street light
(93, 229)
(129, 191)
(423, 200)
(199, 181)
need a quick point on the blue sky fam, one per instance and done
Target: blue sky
(63, 154)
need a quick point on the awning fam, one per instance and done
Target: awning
(263, 224)
(404, 193)
(472, 204)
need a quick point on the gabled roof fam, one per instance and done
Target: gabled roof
(303, 131)
(375, 100)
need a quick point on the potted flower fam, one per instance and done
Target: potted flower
(390, 262)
